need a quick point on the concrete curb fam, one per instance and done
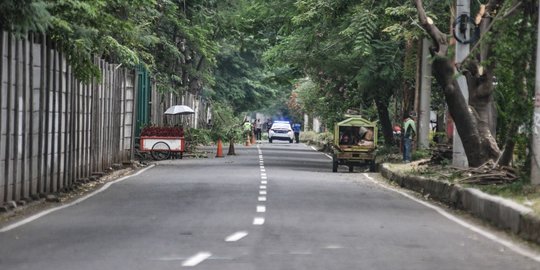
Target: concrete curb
(500, 212)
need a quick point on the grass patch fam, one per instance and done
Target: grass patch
(518, 191)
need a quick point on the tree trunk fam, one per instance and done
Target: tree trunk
(386, 123)
(231, 148)
(440, 128)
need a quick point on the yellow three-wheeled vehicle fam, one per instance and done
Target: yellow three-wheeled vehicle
(355, 142)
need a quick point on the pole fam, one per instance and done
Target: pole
(535, 161)
(459, 159)
(425, 97)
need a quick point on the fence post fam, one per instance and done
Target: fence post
(7, 175)
(30, 66)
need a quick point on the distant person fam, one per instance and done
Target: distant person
(296, 129)
(397, 135)
(345, 140)
(268, 124)
(247, 129)
(409, 132)
(258, 129)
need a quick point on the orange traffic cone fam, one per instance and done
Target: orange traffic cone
(219, 152)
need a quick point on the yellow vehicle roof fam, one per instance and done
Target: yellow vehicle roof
(356, 121)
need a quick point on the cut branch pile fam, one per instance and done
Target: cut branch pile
(440, 153)
(488, 174)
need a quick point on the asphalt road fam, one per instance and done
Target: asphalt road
(273, 206)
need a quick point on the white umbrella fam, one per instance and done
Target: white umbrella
(179, 109)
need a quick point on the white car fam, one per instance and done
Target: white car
(281, 131)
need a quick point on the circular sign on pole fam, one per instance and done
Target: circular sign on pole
(464, 29)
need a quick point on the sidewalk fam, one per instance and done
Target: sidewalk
(503, 213)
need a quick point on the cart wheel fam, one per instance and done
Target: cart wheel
(161, 151)
(334, 164)
(373, 166)
(351, 168)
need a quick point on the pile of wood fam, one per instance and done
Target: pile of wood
(488, 174)
(441, 153)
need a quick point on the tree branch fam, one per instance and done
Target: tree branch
(439, 39)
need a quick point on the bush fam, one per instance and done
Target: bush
(309, 137)
(326, 137)
(198, 136)
(421, 154)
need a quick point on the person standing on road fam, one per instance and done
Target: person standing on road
(258, 129)
(409, 133)
(268, 124)
(247, 128)
(296, 129)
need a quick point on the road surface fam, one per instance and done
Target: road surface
(273, 206)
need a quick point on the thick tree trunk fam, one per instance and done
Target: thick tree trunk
(386, 123)
(478, 143)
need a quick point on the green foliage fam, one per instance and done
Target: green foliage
(361, 29)
(175, 39)
(226, 125)
(240, 80)
(199, 136)
(21, 16)
(345, 59)
(421, 154)
(514, 72)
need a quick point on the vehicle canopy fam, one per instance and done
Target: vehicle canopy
(355, 134)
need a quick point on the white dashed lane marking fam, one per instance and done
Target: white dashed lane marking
(258, 221)
(196, 259)
(262, 191)
(236, 236)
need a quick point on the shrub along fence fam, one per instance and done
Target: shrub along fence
(53, 128)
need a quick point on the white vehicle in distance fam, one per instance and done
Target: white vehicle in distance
(281, 130)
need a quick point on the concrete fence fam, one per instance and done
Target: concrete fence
(162, 101)
(53, 128)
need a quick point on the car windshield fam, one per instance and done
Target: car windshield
(281, 125)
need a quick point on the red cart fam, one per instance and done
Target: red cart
(162, 142)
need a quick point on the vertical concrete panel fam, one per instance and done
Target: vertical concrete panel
(53, 150)
(3, 120)
(9, 123)
(34, 80)
(59, 162)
